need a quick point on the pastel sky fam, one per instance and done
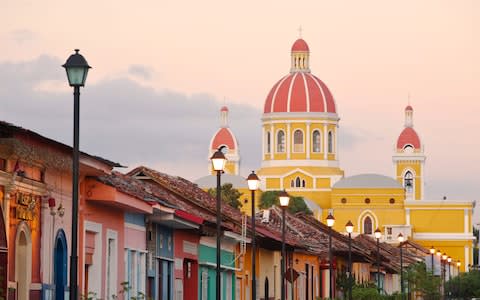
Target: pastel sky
(162, 69)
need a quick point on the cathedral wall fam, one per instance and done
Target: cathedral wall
(437, 220)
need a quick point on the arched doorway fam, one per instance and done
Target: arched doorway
(3, 258)
(23, 261)
(60, 265)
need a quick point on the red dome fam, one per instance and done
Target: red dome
(299, 92)
(409, 108)
(300, 46)
(408, 137)
(223, 137)
(224, 108)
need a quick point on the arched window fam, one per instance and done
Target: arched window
(367, 225)
(330, 142)
(292, 183)
(317, 141)
(280, 141)
(298, 141)
(297, 182)
(268, 142)
(408, 181)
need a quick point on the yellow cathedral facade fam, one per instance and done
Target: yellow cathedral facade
(300, 155)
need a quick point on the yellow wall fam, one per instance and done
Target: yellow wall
(437, 220)
(415, 166)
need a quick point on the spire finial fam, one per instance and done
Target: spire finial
(408, 98)
(300, 31)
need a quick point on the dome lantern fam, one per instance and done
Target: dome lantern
(300, 57)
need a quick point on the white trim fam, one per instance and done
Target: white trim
(299, 163)
(95, 270)
(325, 141)
(443, 236)
(367, 213)
(298, 170)
(308, 137)
(111, 235)
(325, 108)
(284, 140)
(210, 264)
(289, 140)
(135, 226)
(307, 94)
(264, 133)
(272, 140)
(467, 258)
(22, 227)
(289, 97)
(303, 140)
(311, 135)
(274, 96)
(407, 216)
(465, 221)
(284, 117)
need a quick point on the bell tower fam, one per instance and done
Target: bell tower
(409, 159)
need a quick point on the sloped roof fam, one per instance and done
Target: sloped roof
(367, 181)
(189, 197)
(7, 130)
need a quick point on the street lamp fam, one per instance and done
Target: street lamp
(218, 162)
(400, 240)
(330, 223)
(284, 199)
(432, 252)
(378, 235)
(76, 67)
(349, 228)
(253, 185)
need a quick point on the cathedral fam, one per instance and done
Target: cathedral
(300, 128)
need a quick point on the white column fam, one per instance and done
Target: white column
(308, 136)
(263, 142)
(466, 228)
(288, 140)
(272, 140)
(407, 216)
(467, 258)
(325, 141)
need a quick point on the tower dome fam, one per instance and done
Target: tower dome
(225, 137)
(300, 91)
(408, 137)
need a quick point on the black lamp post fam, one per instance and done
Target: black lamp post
(330, 223)
(253, 185)
(284, 199)
(400, 240)
(218, 162)
(77, 70)
(432, 252)
(349, 228)
(378, 235)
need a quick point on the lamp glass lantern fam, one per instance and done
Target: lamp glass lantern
(439, 254)
(349, 227)
(444, 256)
(449, 259)
(459, 264)
(284, 199)
(253, 181)
(432, 250)
(77, 69)
(400, 238)
(218, 160)
(330, 220)
(378, 233)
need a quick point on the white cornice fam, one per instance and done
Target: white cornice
(443, 236)
(300, 163)
(314, 116)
